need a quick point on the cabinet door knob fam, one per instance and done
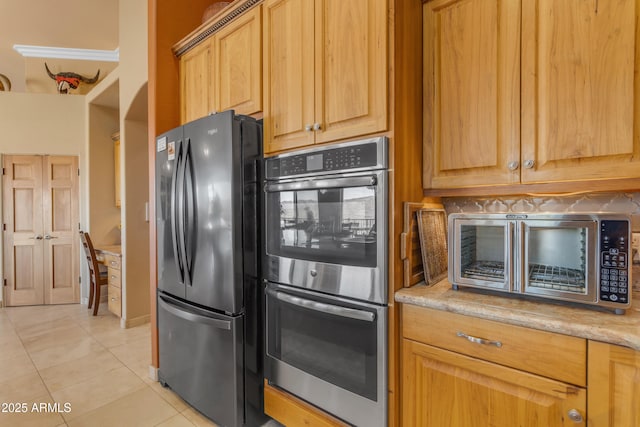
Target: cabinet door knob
(529, 164)
(316, 126)
(513, 165)
(307, 128)
(575, 416)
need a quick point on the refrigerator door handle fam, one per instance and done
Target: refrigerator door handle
(175, 220)
(181, 212)
(180, 312)
(190, 212)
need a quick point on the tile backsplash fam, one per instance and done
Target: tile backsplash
(626, 203)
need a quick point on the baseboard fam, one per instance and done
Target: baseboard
(136, 321)
(153, 372)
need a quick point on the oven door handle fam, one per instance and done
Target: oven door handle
(335, 310)
(356, 181)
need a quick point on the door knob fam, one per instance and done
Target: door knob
(37, 237)
(529, 164)
(48, 237)
(513, 165)
(316, 126)
(307, 128)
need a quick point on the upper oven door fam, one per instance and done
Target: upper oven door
(329, 234)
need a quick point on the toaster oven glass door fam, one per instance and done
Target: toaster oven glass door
(482, 256)
(559, 259)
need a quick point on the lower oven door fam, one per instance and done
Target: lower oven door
(329, 351)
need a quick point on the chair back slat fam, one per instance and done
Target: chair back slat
(90, 253)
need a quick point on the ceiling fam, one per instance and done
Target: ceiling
(82, 24)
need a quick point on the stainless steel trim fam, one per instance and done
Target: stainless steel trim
(509, 270)
(324, 308)
(192, 317)
(517, 248)
(382, 155)
(354, 181)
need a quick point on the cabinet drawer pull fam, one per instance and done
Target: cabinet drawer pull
(479, 340)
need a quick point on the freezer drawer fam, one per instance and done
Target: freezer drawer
(201, 359)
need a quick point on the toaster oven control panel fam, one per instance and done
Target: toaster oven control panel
(614, 261)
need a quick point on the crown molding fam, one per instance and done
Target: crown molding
(68, 53)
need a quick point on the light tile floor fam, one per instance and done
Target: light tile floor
(63, 355)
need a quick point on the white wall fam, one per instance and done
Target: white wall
(133, 70)
(44, 124)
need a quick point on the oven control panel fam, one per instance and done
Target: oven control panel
(614, 261)
(324, 160)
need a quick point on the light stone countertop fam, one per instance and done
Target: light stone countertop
(592, 322)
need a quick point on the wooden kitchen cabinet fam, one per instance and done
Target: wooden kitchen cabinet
(614, 372)
(448, 379)
(114, 295)
(526, 92)
(195, 82)
(237, 64)
(224, 71)
(442, 388)
(325, 71)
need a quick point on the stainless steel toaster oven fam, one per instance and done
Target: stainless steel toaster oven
(583, 258)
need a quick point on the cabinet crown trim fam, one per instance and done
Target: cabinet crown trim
(214, 24)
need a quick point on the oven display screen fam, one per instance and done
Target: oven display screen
(314, 162)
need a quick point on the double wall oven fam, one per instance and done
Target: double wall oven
(326, 292)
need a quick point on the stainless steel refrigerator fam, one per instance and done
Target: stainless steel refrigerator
(209, 310)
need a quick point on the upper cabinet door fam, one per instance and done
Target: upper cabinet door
(288, 74)
(580, 88)
(195, 82)
(325, 71)
(238, 64)
(350, 68)
(472, 92)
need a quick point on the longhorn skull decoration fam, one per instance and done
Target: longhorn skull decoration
(67, 80)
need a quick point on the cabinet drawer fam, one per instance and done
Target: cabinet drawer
(112, 261)
(544, 353)
(115, 300)
(114, 277)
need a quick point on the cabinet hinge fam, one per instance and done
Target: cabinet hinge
(78, 171)
(80, 279)
(4, 227)
(3, 172)
(5, 282)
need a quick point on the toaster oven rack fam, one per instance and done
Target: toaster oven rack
(540, 275)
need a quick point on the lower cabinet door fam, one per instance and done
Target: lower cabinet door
(443, 388)
(615, 398)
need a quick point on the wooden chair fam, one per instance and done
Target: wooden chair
(98, 275)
